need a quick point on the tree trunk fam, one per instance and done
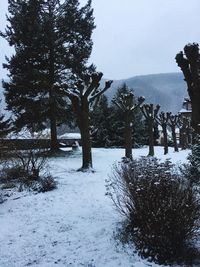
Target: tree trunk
(84, 125)
(196, 110)
(189, 135)
(53, 127)
(52, 103)
(151, 138)
(128, 136)
(165, 139)
(183, 138)
(180, 137)
(174, 139)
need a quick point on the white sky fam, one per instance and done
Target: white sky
(135, 37)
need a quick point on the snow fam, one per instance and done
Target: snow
(73, 225)
(70, 136)
(183, 110)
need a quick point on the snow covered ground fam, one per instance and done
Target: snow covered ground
(73, 225)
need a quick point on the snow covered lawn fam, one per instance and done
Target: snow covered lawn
(73, 225)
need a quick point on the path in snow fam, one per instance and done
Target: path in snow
(72, 225)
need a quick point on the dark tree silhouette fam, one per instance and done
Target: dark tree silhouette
(100, 123)
(162, 120)
(52, 43)
(5, 126)
(82, 97)
(150, 112)
(173, 121)
(126, 104)
(189, 62)
(185, 131)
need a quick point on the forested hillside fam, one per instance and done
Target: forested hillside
(167, 89)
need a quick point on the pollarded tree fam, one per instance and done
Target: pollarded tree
(173, 121)
(52, 43)
(82, 96)
(162, 120)
(126, 104)
(189, 62)
(150, 112)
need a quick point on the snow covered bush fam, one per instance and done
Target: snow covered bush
(161, 208)
(28, 169)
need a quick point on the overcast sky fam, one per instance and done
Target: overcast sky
(135, 37)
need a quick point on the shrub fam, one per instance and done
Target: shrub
(28, 170)
(161, 208)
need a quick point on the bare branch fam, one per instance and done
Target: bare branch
(107, 86)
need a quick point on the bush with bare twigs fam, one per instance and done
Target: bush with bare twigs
(27, 170)
(161, 208)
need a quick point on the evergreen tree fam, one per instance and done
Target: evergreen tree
(192, 169)
(100, 123)
(52, 43)
(5, 126)
(117, 123)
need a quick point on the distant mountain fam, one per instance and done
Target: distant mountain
(168, 90)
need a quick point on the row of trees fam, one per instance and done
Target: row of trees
(49, 69)
(136, 123)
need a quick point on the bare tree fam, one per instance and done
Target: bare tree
(150, 112)
(189, 62)
(173, 123)
(162, 120)
(82, 96)
(126, 103)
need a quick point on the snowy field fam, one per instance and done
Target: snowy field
(73, 225)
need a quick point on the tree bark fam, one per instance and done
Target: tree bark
(174, 139)
(52, 103)
(165, 139)
(128, 136)
(195, 101)
(53, 126)
(151, 138)
(84, 126)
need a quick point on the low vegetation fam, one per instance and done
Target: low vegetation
(160, 206)
(27, 170)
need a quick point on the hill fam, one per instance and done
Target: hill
(168, 89)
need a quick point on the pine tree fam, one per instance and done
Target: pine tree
(192, 169)
(5, 126)
(117, 123)
(100, 123)
(52, 43)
